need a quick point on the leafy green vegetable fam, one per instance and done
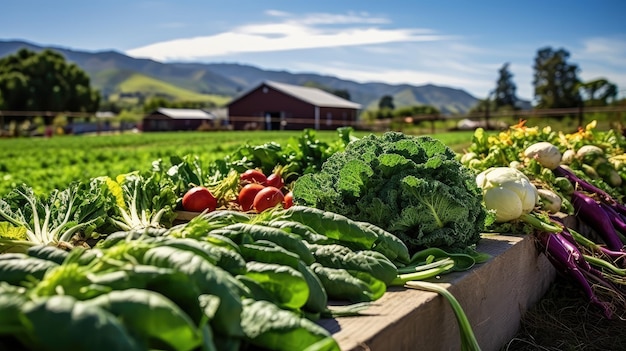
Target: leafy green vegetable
(268, 252)
(52, 220)
(341, 257)
(246, 233)
(151, 316)
(49, 253)
(17, 270)
(332, 225)
(63, 323)
(286, 285)
(351, 285)
(142, 201)
(209, 279)
(298, 156)
(410, 186)
(269, 327)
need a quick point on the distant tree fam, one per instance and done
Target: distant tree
(555, 80)
(156, 103)
(416, 110)
(44, 81)
(386, 102)
(342, 93)
(482, 106)
(504, 93)
(599, 92)
(111, 106)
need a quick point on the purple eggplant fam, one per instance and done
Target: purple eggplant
(577, 239)
(570, 262)
(592, 214)
(616, 219)
(582, 184)
(590, 188)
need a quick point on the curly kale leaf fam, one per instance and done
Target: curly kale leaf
(410, 186)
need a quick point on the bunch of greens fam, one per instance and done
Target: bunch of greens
(411, 186)
(298, 156)
(28, 219)
(141, 201)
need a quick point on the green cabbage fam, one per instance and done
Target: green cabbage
(411, 186)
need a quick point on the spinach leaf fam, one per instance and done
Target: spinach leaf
(209, 279)
(16, 271)
(46, 252)
(272, 328)
(354, 286)
(285, 284)
(330, 224)
(152, 316)
(61, 323)
(242, 233)
(341, 257)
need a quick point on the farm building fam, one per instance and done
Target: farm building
(279, 106)
(172, 119)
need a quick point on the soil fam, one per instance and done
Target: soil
(563, 320)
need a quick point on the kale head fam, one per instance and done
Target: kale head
(411, 186)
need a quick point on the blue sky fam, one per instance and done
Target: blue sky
(456, 43)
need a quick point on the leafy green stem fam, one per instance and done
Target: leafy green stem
(468, 339)
(402, 279)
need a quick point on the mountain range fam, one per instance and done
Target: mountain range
(114, 73)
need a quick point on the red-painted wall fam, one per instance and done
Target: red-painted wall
(286, 112)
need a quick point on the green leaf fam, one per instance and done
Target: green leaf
(61, 323)
(152, 316)
(286, 285)
(269, 327)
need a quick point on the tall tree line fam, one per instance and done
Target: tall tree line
(44, 81)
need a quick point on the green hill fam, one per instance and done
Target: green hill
(115, 74)
(135, 84)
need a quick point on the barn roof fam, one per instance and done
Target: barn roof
(185, 113)
(314, 96)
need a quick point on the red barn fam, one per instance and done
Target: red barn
(280, 106)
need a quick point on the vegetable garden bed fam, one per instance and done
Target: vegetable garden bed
(360, 221)
(494, 296)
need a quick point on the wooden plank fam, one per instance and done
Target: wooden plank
(494, 295)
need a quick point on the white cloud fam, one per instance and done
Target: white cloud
(329, 18)
(367, 48)
(603, 57)
(307, 32)
(612, 50)
(365, 74)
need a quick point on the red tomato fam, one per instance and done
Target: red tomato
(247, 194)
(275, 180)
(198, 199)
(288, 200)
(253, 176)
(268, 197)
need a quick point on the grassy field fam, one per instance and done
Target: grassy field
(49, 163)
(139, 82)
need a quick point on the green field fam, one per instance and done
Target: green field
(148, 86)
(49, 163)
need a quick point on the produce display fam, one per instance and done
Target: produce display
(106, 264)
(566, 189)
(248, 252)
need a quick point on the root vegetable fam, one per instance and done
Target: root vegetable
(550, 201)
(545, 153)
